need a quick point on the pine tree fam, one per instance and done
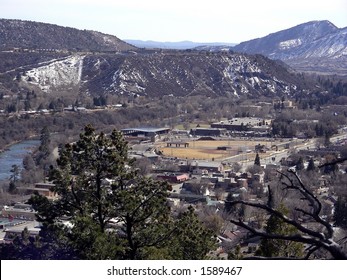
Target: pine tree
(300, 164)
(45, 140)
(311, 166)
(257, 160)
(340, 212)
(14, 178)
(276, 247)
(192, 240)
(15, 172)
(44, 148)
(115, 212)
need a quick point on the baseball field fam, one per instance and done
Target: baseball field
(217, 149)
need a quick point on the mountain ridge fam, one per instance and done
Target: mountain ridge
(36, 35)
(90, 70)
(180, 45)
(318, 43)
(157, 74)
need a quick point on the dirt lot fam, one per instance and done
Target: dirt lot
(209, 149)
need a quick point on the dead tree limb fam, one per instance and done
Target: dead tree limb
(315, 238)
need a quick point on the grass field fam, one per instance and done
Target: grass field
(208, 149)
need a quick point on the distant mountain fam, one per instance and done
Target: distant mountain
(313, 46)
(172, 45)
(35, 35)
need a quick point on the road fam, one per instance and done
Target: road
(274, 157)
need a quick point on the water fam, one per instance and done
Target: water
(15, 155)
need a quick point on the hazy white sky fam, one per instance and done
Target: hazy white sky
(199, 21)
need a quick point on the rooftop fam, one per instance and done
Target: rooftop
(145, 129)
(251, 121)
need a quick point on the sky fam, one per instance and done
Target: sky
(227, 21)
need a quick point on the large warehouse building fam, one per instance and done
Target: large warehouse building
(145, 131)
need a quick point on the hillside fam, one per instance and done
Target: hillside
(35, 35)
(156, 74)
(74, 64)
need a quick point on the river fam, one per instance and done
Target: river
(14, 155)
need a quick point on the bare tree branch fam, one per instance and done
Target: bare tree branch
(281, 216)
(310, 251)
(306, 235)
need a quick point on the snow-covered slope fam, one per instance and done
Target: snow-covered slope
(57, 73)
(333, 45)
(316, 42)
(291, 42)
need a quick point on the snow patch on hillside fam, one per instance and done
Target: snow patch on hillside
(289, 44)
(56, 74)
(124, 80)
(246, 75)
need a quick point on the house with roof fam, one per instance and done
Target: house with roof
(44, 189)
(173, 177)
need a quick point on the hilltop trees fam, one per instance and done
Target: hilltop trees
(106, 210)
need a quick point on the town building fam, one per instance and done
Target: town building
(173, 178)
(200, 167)
(256, 125)
(145, 131)
(216, 132)
(44, 189)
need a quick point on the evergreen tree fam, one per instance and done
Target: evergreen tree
(300, 164)
(45, 140)
(340, 212)
(113, 212)
(257, 160)
(192, 240)
(14, 178)
(311, 166)
(44, 148)
(12, 188)
(327, 141)
(15, 172)
(277, 247)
